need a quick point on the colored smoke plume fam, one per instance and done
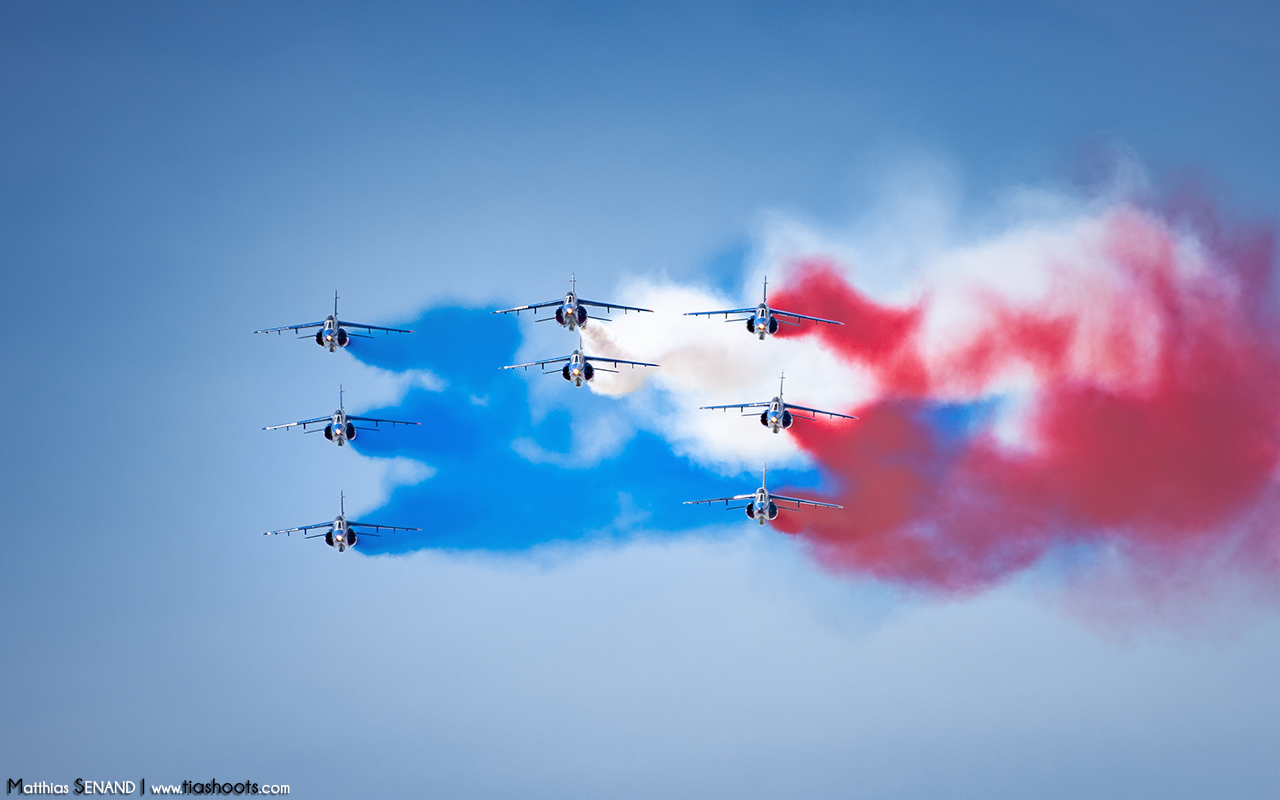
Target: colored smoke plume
(1122, 392)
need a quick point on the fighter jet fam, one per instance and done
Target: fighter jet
(570, 312)
(777, 414)
(762, 506)
(333, 332)
(762, 320)
(579, 368)
(341, 533)
(339, 426)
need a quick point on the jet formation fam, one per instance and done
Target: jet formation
(578, 368)
(339, 427)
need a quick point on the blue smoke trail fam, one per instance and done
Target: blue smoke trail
(487, 496)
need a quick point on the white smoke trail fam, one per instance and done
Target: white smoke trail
(705, 361)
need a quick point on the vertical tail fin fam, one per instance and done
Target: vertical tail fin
(573, 284)
(766, 290)
(335, 305)
(342, 502)
(780, 380)
(341, 406)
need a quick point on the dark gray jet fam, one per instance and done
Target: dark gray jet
(777, 414)
(762, 506)
(762, 320)
(333, 332)
(578, 368)
(340, 427)
(571, 312)
(341, 532)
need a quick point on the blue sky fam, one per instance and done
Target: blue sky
(178, 176)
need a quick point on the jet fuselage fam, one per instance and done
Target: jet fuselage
(578, 370)
(777, 417)
(340, 430)
(341, 536)
(762, 322)
(762, 509)
(570, 314)
(332, 336)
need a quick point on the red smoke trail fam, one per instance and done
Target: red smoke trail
(1153, 425)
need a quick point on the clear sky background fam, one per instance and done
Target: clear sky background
(176, 176)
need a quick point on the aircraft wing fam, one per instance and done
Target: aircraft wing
(818, 411)
(380, 527)
(735, 405)
(725, 312)
(304, 423)
(533, 307)
(778, 313)
(328, 524)
(391, 422)
(370, 328)
(617, 361)
(283, 328)
(725, 500)
(611, 306)
(538, 363)
(802, 502)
